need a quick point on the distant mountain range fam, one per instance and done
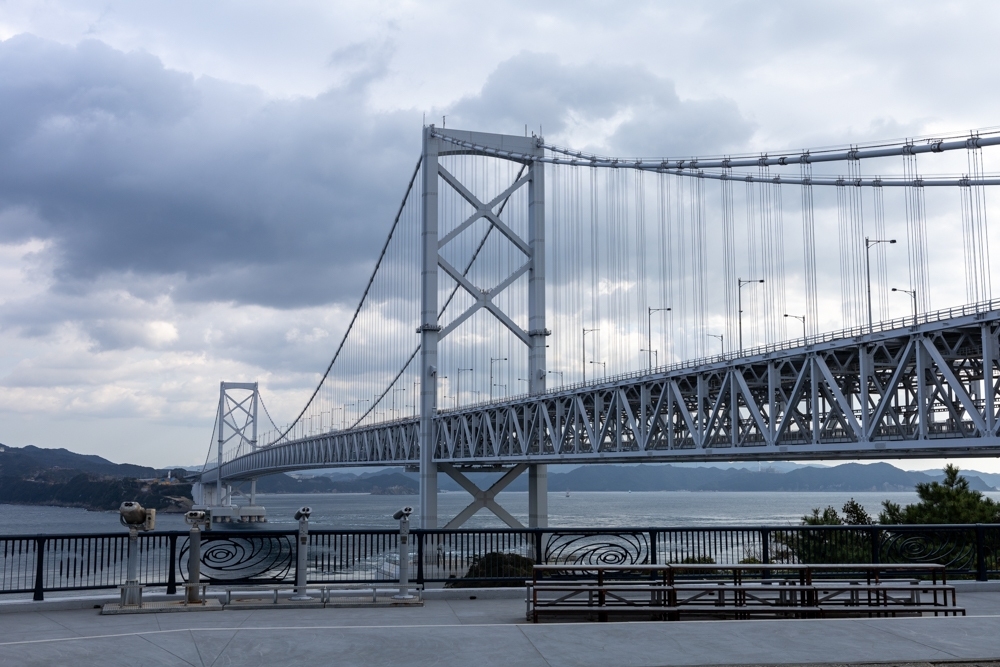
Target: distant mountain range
(848, 477)
(59, 466)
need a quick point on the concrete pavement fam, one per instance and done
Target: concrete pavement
(482, 632)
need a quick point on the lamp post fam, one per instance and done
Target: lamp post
(913, 296)
(722, 341)
(560, 374)
(493, 360)
(649, 333)
(800, 318)
(458, 382)
(655, 354)
(394, 399)
(583, 360)
(869, 244)
(603, 365)
(739, 304)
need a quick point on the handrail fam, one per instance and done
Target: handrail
(42, 564)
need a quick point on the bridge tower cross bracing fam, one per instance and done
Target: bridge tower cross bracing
(237, 419)
(436, 144)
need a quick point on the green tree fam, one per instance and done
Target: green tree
(950, 501)
(826, 546)
(854, 515)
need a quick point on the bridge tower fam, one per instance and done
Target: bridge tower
(237, 423)
(436, 143)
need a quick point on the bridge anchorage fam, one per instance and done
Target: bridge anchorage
(473, 225)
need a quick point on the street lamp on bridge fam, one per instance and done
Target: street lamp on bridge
(722, 341)
(913, 295)
(458, 382)
(560, 374)
(649, 333)
(869, 244)
(655, 354)
(800, 318)
(739, 304)
(583, 360)
(393, 409)
(492, 361)
(603, 365)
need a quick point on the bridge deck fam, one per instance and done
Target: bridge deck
(900, 390)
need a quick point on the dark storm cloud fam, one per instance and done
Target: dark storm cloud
(209, 191)
(133, 168)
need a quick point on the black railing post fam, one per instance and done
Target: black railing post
(172, 574)
(39, 569)
(652, 547)
(980, 552)
(876, 534)
(420, 558)
(538, 548)
(765, 546)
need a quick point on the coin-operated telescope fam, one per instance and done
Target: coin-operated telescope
(403, 516)
(302, 554)
(197, 519)
(135, 517)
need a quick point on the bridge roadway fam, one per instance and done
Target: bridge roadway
(905, 388)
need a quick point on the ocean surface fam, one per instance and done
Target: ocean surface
(580, 510)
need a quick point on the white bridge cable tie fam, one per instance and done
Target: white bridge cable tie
(783, 158)
(694, 167)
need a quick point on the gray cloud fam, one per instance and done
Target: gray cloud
(142, 172)
(133, 168)
(650, 119)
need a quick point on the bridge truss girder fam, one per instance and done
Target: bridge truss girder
(815, 394)
(915, 392)
(393, 443)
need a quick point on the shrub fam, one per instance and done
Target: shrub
(494, 565)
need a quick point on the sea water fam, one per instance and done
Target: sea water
(580, 509)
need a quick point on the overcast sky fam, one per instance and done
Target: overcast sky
(192, 192)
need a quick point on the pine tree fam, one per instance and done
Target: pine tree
(950, 501)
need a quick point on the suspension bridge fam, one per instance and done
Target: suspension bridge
(534, 304)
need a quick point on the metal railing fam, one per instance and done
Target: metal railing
(41, 564)
(898, 324)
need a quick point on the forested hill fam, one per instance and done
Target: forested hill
(30, 461)
(36, 476)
